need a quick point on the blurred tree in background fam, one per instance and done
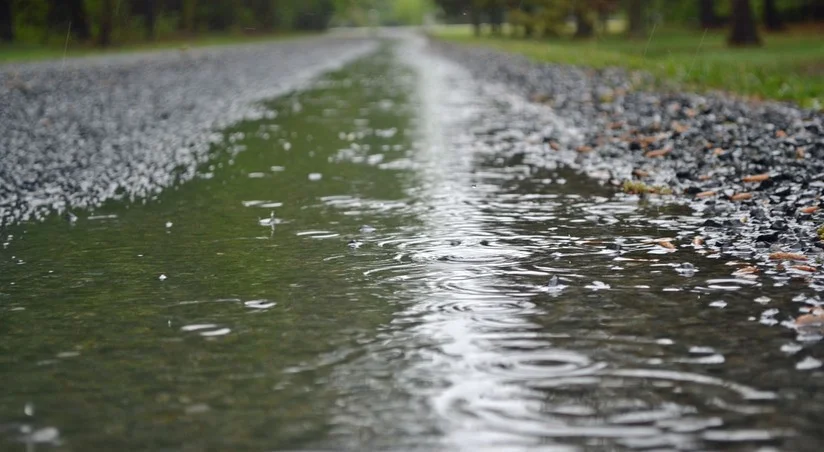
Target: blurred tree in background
(586, 18)
(108, 22)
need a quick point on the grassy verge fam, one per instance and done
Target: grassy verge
(31, 52)
(790, 66)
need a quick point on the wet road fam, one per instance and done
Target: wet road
(393, 261)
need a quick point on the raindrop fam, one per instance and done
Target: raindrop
(598, 285)
(162, 277)
(259, 304)
(808, 363)
(686, 269)
(315, 176)
(169, 224)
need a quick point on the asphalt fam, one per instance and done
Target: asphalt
(76, 133)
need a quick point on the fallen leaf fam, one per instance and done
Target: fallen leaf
(782, 256)
(640, 173)
(816, 316)
(666, 244)
(780, 134)
(746, 271)
(756, 178)
(678, 127)
(584, 149)
(741, 196)
(554, 145)
(658, 153)
(704, 177)
(705, 194)
(717, 151)
(800, 154)
(805, 268)
(811, 209)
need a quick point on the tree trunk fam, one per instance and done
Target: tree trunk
(79, 21)
(151, 19)
(743, 31)
(187, 16)
(106, 21)
(6, 21)
(635, 11)
(772, 20)
(496, 18)
(475, 17)
(707, 14)
(583, 25)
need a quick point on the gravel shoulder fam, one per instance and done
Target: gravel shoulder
(754, 171)
(77, 133)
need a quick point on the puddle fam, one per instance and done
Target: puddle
(385, 266)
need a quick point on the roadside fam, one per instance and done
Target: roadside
(126, 126)
(25, 52)
(754, 172)
(790, 66)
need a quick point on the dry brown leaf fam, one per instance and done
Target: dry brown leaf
(805, 268)
(717, 151)
(705, 194)
(741, 196)
(658, 153)
(751, 270)
(640, 173)
(756, 178)
(780, 134)
(704, 177)
(666, 244)
(816, 316)
(678, 127)
(554, 145)
(782, 256)
(800, 153)
(810, 209)
(584, 149)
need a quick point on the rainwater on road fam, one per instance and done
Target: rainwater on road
(394, 260)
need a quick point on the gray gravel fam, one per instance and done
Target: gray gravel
(75, 134)
(704, 148)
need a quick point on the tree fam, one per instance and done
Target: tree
(583, 24)
(151, 18)
(78, 18)
(6, 21)
(743, 31)
(707, 14)
(635, 11)
(106, 23)
(772, 20)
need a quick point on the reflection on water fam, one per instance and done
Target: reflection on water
(395, 262)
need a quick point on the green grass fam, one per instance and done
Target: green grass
(31, 52)
(790, 66)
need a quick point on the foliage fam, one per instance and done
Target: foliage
(788, 67)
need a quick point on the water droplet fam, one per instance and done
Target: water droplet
(259, 304)
(169, 224)
(28, 409)
(808, 363)
(315, 176)
(162, 277)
